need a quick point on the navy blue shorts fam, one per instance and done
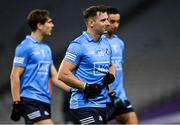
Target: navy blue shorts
(89, 115)
(113, 111)
(34, 110)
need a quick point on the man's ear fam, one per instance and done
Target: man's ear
(91, 22)
(39, 26)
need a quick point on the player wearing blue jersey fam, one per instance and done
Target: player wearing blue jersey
(87, 68)
(119, 106)
(32, 68)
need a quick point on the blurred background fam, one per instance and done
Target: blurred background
(150, 30)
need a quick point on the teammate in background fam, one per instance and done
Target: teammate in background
(119, 106)
(32, 68)
(85, 68)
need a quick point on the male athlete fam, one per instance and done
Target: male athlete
(87, 68)
(119, 107)
(31, 71)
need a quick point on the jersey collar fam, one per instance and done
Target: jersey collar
(114, 36)
(32, 39)
(105, 36)
(88, 36)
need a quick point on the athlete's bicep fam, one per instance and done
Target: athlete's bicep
(66, 67)
(72, 58)
(16, 72)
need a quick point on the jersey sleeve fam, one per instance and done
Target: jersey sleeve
(123, 53)
(51, 55)
(73, 53)
(21, 56)
(51, 61)
(122, 46)
(110, 51)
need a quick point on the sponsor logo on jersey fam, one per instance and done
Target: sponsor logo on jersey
(43, 67)
(117, 61)
(101, 68)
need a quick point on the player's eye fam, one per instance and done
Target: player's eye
(112, 21)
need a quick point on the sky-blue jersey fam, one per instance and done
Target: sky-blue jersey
(117, 46)
(36, 59)
(92, 60)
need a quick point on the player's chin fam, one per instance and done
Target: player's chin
(49, 33)
(105, 31)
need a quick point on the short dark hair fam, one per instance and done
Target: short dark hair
(111, 10)
(37, 16)
(92, 11)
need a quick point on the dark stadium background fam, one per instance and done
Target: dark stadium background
(150, 30)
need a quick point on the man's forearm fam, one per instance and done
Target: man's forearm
(15, 89)
(58, 83)
(112, 69)
(72, 81)
(61, 85)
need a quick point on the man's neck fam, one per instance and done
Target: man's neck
(94, 35)
(37, 36)
(109, 35)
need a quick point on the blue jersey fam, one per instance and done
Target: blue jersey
(117, 46)
(92, 59)
(36, 59)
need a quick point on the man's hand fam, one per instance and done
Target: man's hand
(16, 111)
(117, 102)
(108, 79)
(92, 90)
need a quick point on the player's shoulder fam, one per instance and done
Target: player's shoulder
(46, 47)
(23, 44)
(75, 44)
(45, 44)
(79, 39)
(104, 38)
(119, 38)
(22, 47)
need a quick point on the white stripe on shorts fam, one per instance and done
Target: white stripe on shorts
(87, 120)
(34, 115)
